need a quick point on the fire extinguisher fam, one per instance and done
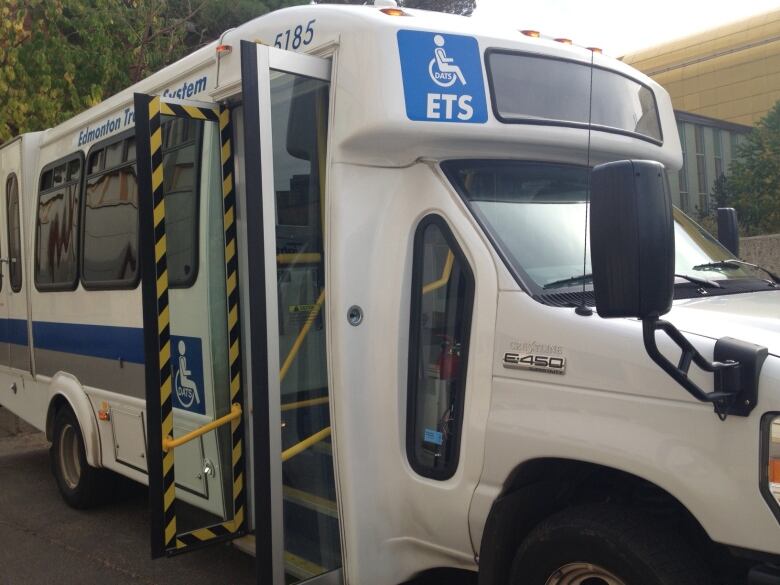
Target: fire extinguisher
(449, 358)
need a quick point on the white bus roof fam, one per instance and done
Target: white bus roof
(370, 123)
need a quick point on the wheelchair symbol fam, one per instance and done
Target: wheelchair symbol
(441, 68)
(186, 389)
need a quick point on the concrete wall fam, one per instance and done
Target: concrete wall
(762, 250)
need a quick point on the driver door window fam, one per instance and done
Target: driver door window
(441, 310)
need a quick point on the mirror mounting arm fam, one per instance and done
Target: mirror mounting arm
(727, 372)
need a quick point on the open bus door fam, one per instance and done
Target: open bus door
(191, 324)
(282, 143)
(286, 100)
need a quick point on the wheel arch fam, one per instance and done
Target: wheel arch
(65, 391)
(537, 488)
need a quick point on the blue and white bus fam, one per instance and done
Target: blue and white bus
(325, 286)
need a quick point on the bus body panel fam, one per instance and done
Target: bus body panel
(614, 407)
(18, 393)
(424, 522)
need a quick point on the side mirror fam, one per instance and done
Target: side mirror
(728, 230)
(632, 255)
(632, 239)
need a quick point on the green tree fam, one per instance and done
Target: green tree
(720, 196)
(463, 7)
(58, 57)
(754, 182)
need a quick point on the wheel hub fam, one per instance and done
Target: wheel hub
(582, 574)
(70, 464)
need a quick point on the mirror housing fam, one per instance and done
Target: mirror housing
(728, 230)
(632, 255)
(632, 239)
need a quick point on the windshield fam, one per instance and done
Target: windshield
(535, 214)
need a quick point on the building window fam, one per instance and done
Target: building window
(57, 225)
(110, 255)
(14, 234)
(717, 140)
(701, 169)
(683, 178)
(441, 308)
(733, 144)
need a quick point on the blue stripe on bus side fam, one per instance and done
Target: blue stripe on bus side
(102, 341)
(13, 331)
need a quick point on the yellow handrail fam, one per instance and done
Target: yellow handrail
(296, 346)
(171, 443)
(300, 258)
(305, 444)
(304, 403)
(445, 275)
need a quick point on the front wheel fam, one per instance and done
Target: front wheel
(79, 483)
(605, 545)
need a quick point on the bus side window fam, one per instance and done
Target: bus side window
(14, 233)
(110, 254)
(441, 308)
(57, 226)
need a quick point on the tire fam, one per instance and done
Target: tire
(606, 545)
(80, 484)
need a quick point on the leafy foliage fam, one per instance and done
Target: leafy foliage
(463, 7)
(58, 57)
(754, 183)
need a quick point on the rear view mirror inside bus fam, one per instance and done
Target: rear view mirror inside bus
(632, 239)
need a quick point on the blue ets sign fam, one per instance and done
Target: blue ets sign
(187, 370)
(442, 76)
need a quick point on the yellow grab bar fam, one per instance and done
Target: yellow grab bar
(296, 346)
(300, 258)
(171, 443)
(305, 444)
(304, 403)
(445, 275)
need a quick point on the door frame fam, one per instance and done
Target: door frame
(257, 63)
(165, 539)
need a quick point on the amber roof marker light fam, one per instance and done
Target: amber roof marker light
(563, 40)
(394, 12)
(531, 33)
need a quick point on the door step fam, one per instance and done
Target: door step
(294, 565)
(246, 544)
(310, 501)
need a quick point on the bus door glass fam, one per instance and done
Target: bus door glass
(191, 327)
(286, 100)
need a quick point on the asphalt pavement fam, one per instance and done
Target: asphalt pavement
(44, 542)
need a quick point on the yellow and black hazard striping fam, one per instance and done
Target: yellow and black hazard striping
(184, 111)
(234, 331)
(163, 318)
(172, 541)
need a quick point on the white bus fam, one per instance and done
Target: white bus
(324, 286)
